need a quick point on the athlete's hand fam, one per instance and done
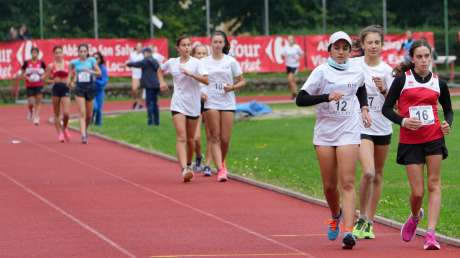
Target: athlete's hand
(163, 87)
(204, 97)
(367, 120)
(335, 96)
(445, 128)
(378, 83)
(228, 88)
(185, 71)
(412, 124)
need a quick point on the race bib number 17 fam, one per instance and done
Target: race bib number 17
(423, 113)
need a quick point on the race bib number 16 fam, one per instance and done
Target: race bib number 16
(423, 113)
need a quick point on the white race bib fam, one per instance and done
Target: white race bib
(374, 103)
(423, 113)
(34, 77)
(343, 107)
(84, 77)
(217, 88)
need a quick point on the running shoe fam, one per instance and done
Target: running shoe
(61, 137)
(67, 135)
(430, 241)
(84, 139)
(187, 174)
(37, 120)
(333, 229)
(207, 171)
(410, 227)
(358, 228)
(222, 175)
(197, 168)
(348, 241)
(368, 231)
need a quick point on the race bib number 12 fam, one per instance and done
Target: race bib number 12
(423, 113)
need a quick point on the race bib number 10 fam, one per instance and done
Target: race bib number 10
(423, 113)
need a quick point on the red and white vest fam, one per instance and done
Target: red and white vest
(420, 100)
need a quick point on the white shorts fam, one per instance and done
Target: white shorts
(136, 73)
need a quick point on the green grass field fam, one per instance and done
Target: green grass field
(280, 152)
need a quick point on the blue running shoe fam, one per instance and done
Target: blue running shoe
(333, 229)
(207, 171)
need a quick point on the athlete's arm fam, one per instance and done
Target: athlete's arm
(304, 99)
(163, 85)
(138, 64)
(444, 100)
(361, 93)
(240, 83)
(392, 97)
(47, 78)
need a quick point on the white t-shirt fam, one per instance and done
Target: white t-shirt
(187, 94)
(380, 124)
(292, 55)
(337, 122)
(136, 73)
(221, 73)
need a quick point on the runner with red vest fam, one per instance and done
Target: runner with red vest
(33, 72)
(57, 73)
(421, 141)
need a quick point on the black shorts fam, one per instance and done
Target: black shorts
(34, 91)
(87, 93)
(416, 153)
(220, 110)
(188, 117)
(377, 139)
(291, 70)
(60, 90)
(202, 107)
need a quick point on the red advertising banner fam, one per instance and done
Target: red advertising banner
(258, 54)
(116, 52)
(316, 48)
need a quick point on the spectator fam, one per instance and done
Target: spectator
(406, 45)
(24, 33)
(101, 82)
(12, 34)
(152, 81)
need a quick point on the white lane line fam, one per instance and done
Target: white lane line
(68, 215)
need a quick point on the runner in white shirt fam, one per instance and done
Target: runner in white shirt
(136, 74)
(187, 73)
(292, 54)
(375, 140)
(337, 87)
(200, 51)
(225, 76)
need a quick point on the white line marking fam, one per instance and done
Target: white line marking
(68, 215)
(147, 189)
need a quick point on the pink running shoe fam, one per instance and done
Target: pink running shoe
(222, 175)
(61, 137)
(430, 241)
(410, 227)
(67, 135)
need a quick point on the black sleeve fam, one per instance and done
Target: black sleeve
(24, 66)
(392, 97)
(304, 99)
(444, 100)
(43, 65)
(138, 64)
(362, 96)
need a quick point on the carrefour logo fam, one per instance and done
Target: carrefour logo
(24, 54)
(274, 49)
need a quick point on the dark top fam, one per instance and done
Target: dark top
(149, 66)
(395, 92)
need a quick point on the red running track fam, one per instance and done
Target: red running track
(105, 200)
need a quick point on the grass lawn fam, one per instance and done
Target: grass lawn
(280, 152)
